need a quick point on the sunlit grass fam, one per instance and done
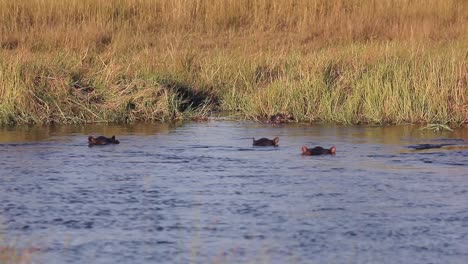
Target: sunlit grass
(354, 61)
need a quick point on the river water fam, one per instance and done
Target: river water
(201, 193)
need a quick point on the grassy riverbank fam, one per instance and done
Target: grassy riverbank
(354, 61)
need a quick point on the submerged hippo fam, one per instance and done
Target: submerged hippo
(280, 118)
(266, 142)
(428, 146)
(101, 140)
(318, 151)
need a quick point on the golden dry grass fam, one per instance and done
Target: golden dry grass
(345, 61)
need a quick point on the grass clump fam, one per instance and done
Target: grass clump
(70, 90)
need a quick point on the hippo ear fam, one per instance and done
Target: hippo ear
(113, 137)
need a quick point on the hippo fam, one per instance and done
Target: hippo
(266, 142)
(318, 151)
(101, 140)
(280, 118)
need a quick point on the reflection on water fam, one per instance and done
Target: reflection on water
(200, 193)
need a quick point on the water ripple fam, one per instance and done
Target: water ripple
(201, 193)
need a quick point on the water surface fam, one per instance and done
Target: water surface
(200, 193)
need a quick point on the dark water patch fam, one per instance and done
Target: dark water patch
(246, 149)
(199, 146)
(249, 209)
(338, 169)
(174, 159)
(161, 242)
(330, 209)
(388, 156)
(254, 236)
(178, 203)
(273, 195)
(456, 164)
(74, 224)
(152, 193)
(427, 146)
(350, 233)
(323, 195)
(450, 158)
(241, 176)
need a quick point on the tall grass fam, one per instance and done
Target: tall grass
(391, 86)
(341, 19)
(346, 61)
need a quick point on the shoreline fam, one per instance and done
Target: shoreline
(147, 61)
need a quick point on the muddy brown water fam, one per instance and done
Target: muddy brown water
(201, 193)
